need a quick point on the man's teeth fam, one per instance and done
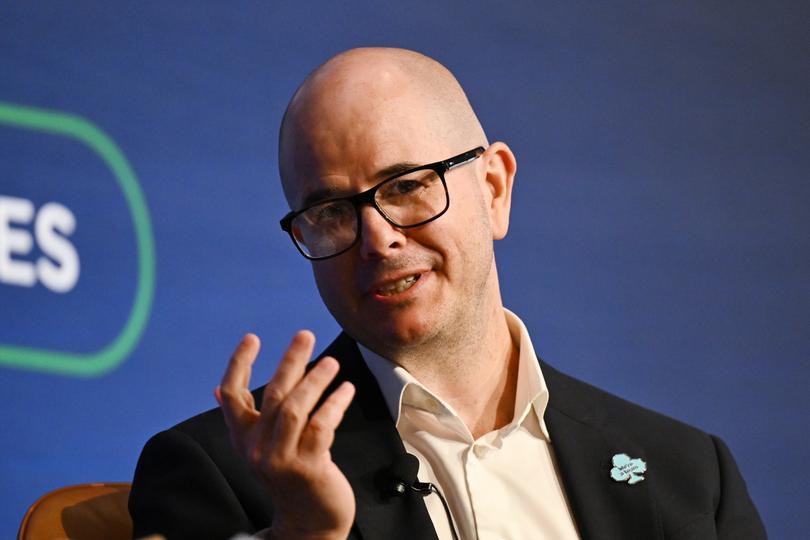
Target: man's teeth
(398, 286)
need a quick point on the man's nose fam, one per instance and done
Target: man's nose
(378, 238)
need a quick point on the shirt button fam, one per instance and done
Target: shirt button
(479, 451)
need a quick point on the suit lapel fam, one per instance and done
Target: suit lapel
(366, 445)
(602, 507)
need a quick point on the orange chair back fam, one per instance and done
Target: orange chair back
(82, 512)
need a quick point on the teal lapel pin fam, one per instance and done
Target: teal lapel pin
(628, 470)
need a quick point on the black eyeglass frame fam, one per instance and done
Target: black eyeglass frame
(367, 197)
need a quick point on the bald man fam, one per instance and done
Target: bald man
(396, 198)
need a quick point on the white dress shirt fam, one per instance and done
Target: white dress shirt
(503, 485)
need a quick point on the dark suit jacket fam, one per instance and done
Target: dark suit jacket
(189, 482)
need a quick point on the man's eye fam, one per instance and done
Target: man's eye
(404, 186)
(329, 212)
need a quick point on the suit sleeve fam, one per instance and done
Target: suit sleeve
(736, 516)
(179, 492)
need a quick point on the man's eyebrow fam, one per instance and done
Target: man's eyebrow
(394, 169)
(322, 194)
(330, 192)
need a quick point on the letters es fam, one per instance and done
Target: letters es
(58, 267)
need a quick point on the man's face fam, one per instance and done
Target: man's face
(396, 288)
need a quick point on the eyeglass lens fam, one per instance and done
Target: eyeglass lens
(407, 200)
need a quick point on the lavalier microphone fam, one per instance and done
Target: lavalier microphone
(404, 479)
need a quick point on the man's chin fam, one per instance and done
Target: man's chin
(391, 340)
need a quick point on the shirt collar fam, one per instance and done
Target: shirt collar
(393, 381)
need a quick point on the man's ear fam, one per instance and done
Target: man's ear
(499, 175)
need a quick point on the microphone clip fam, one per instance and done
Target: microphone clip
(423, 488)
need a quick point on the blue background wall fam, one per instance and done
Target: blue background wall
(659, 247)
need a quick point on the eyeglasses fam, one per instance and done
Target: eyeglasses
(408, 199)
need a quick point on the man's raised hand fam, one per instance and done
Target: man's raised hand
(286, 444)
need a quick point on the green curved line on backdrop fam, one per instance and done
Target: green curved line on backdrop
(103, 360)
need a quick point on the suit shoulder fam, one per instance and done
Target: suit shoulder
(202, 426)
(586, 403)
(202, 438)
(186, 470)
(692, 474)
(209, 426)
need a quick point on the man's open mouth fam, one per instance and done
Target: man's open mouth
(399, 285)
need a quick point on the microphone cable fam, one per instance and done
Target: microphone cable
(404, 477)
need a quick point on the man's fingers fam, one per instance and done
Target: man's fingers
(289, 372)
(232, 393)
(292, 415)
(237, 374)
(320, 432)
(286, 423)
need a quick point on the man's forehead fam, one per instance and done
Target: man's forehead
(361, 143)
(344, 158)
(366, 115)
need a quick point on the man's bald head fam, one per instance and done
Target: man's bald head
(363, 97)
